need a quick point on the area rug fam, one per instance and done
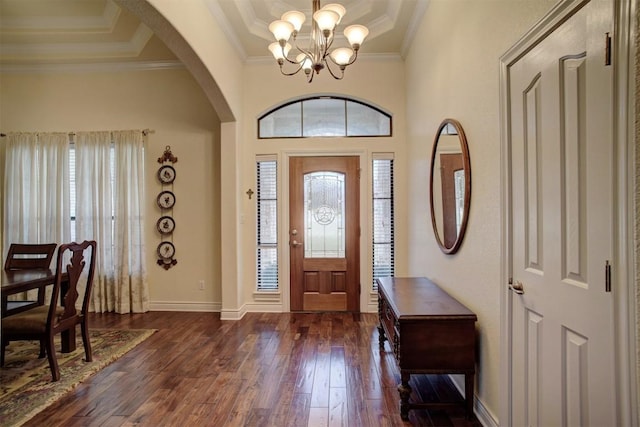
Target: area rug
(25, 381)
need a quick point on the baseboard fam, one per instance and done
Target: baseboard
(486, 418)
(216, 307)
(235, 314)
(264, 308)
(185, 306)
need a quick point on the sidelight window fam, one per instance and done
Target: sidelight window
(383, 218)
(267, 224)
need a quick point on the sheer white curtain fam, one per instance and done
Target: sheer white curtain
(109, 209)
(36, 189)
(132, 294)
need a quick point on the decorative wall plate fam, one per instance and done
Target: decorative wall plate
(166, 174)
(166, 225)
(166, 250)
(166, 199)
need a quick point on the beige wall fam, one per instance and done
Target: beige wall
(457, 76)
(172, 104)
(636, 126)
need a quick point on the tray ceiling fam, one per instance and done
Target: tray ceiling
(88, 31)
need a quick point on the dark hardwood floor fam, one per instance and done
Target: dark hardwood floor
(267, 369)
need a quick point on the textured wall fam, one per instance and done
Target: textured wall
(637, 190)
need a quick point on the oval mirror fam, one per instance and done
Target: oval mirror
(450, 187)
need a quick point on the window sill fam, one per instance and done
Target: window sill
(267, 296)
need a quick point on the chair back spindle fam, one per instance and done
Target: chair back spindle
(77, 277)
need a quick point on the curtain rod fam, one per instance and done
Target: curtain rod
(145, 132)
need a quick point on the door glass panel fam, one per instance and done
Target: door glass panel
(324, 215)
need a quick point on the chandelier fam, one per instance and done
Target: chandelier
(319, 54)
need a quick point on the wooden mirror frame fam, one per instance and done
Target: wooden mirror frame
(467, 184)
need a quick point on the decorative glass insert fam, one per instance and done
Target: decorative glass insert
(324, 219)
(267, 223)
(383, 219)
(325, 116)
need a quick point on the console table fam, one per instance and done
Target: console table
(430, 332)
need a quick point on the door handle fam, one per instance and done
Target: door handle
(295, 243)
(518, 288)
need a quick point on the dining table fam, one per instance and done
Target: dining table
(17, 281)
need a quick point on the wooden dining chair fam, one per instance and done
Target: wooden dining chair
(28, 256)
(22, 256)
(44, 322)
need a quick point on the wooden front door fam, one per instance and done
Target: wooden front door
(324, 233)
(563, 351)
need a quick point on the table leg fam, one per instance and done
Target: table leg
(381, 336)
(468, 394)
(405, 392)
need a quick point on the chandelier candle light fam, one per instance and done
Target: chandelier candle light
(325, 21)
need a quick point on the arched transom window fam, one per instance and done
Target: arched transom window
(324, 116)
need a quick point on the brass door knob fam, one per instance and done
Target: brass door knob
(517, 287)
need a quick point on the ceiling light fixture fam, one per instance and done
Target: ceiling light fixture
(325, 20)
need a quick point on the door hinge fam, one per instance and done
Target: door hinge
(607, 276)
(607, 49)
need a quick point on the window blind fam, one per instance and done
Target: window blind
(267, 225)
(383, 237)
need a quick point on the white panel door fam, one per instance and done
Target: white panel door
(561, 141)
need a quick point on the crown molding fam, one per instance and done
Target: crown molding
(130, 48)
(226, 27)
(362, 57)
(414, 24)
(96, 67)
(96, 23)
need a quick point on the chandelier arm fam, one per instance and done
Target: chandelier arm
(286, 58)
(293, 73)
(307, 53)
(328, 67)
(327, 44)
(290, 61)
(355, 56)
